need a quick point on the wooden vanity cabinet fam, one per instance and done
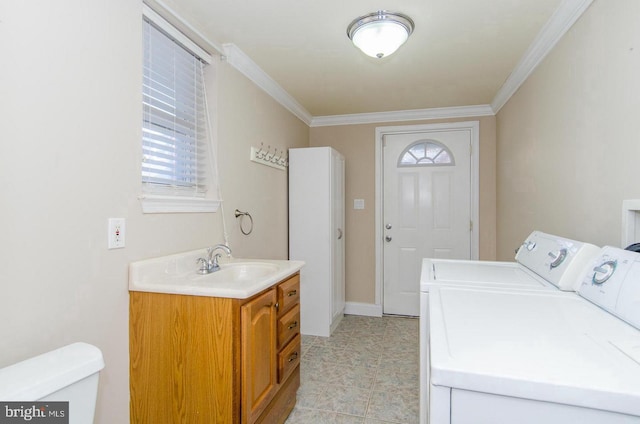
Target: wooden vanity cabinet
(198, 359)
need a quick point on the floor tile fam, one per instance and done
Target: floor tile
(365, 373)
(400, 405)
(313, 416)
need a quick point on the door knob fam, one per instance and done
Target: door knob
(387, 238)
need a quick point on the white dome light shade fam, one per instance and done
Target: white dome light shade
(379, 39)
(381, 33)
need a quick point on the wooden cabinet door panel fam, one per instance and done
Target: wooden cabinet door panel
(259, 370)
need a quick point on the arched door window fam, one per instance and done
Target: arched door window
(426, 153)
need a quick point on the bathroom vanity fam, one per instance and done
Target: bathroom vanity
(208, 356)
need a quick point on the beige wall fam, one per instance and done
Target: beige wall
(71, 81)
(248, 117)
(357, 144)
(568, 146)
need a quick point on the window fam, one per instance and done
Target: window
(426, 153)
(176, 147)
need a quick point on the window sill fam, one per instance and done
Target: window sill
(175, 204)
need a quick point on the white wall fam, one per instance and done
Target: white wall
(70, 109)
(568, 143)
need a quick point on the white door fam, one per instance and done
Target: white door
(427, 209)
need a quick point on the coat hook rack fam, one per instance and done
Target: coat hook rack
(270, 156)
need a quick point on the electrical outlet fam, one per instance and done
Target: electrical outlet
(116, 233)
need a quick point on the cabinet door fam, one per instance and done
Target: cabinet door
(259, 356)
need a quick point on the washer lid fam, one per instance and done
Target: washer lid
(544, 345)
(474, 273)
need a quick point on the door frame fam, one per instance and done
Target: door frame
(474, 128)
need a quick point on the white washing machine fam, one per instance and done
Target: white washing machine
(543, 262)
(501, 355)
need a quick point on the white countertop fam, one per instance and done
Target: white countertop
(237, 278)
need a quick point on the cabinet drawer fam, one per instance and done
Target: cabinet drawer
(288, 293)
(288, 359)
(288, 326)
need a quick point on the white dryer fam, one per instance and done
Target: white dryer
(500, 355)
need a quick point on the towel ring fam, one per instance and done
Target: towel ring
(241, 215)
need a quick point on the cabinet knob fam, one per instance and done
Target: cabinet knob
(277, 306)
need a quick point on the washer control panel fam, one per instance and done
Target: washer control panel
(558, 260)
(613, 283)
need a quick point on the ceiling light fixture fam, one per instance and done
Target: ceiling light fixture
(380, 33)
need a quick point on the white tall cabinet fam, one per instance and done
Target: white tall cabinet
(316, 235)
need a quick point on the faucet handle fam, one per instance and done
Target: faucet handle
(204, 269)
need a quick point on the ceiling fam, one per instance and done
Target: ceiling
(460, 54)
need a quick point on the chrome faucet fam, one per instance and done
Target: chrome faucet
(210, 264)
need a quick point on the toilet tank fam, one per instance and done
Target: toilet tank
(66, 374)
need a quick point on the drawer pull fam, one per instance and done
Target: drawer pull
(292, 293)
(293, 357)
(293, 325)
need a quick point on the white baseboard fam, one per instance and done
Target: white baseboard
(364, 309)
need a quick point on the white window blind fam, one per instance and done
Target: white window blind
(174, 138)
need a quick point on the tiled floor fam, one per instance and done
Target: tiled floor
(365, 373)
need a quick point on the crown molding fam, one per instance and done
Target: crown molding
(560, 22)
(403, 115)
(567, 13)
(160, 8)
(243, 63)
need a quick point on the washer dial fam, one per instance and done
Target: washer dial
(603, 272)
(557, 257)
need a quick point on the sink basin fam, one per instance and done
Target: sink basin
(238, 272)
(237, 278)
